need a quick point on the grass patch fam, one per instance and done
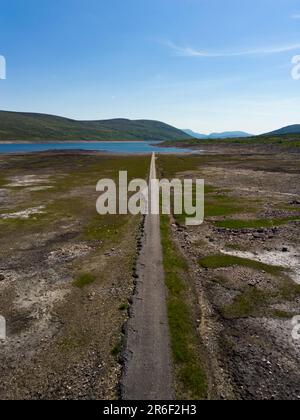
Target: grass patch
(124, 307)
(282, 314)
(252, 301)
(237, 247)
(184, 339)
(218, 201)
(287, 141)
(3, 181)
(209, 189)
(255, 302)
(117, 349)
(214, 206)
(105, 228)
(255, 224)
(288, 289)
(84, 280)
(35, 223)
(214, 209)
(170, 166)
(223, 261)
(246, 304)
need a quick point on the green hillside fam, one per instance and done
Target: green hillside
(290, 129)
(40, 127)
(283, 141)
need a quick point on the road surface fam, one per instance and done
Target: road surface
(148, 361)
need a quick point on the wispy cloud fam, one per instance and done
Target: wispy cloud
(192, 52)
(296, 16)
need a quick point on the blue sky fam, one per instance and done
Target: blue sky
(208, 65)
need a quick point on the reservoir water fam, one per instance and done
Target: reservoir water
(112, 147)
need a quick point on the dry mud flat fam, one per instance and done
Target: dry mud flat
(244, 262)
(65, 276)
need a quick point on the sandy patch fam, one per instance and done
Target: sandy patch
(68, 253)
(43, 188)
(27, 180)
(24, 214)
(41, 298)
(290, 259)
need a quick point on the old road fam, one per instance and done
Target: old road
(147, 372)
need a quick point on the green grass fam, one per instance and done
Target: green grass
(117, 348)
(184, 336)
(223, 261)
(218, 201)
(33, 224)
(255, 224)
(170, 166)
(288, 289)
(124, 307)
(104, 227)
(3, 181)
(246, 304)
(282, 314)
(84, 280)
(252, 301)
(283, 141)
(39, 127)
(255, 302)
(215, 205)
(209, 189)
(215, 209)
(221, 204)
(237, 247)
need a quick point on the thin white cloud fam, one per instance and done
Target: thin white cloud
(296, 16)
(191, 52)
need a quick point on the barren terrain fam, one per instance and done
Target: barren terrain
(244, 267)
(65, 276)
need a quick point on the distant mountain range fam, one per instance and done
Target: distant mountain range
(224, 135)
(290, 129)
(19, 126)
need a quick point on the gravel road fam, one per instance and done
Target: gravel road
(148, 361)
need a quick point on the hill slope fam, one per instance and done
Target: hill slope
(290, 129)
(41, 127)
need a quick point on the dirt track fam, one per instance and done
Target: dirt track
(148, 367)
